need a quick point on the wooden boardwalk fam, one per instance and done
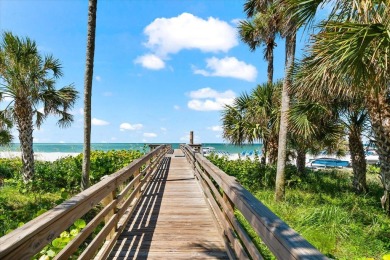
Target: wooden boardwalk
(172, 220)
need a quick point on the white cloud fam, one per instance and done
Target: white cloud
(228, 67)
(163, 129)
(208, 99)
(150, 61)
(98, 78)
(81, 111)
(186, 31)
(216, 128)
(176, 107)
(150, 135)
(99, 122)
(107, 94)
(127, 126)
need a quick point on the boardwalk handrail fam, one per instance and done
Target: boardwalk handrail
(226, 195)
(119, 194)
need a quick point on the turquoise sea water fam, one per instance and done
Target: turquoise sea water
(78, 147)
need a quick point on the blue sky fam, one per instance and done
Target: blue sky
(162, 67)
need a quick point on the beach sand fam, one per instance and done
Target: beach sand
(50, 157)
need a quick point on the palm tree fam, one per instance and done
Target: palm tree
(349, 110)
(253, 118)
(92, 7)
(354, 43)
(29, 79)
(251, 7)
(262, 29)
(312, 127)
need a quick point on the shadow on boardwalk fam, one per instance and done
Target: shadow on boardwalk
(135, 240)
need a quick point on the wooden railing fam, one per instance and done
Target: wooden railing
(118, 195)
(226, 196)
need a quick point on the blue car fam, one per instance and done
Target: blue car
(328, 163)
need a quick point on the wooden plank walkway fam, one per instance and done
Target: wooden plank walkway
(172, 220)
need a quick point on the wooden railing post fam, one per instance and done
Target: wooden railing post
(107, 200)
(137, 183)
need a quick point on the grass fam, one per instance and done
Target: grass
(324, 209)
(18, 206)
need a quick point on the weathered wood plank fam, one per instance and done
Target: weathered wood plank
(172, 220)
(283, 241)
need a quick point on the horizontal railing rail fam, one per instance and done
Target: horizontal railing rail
(118, 194)
(226, 195)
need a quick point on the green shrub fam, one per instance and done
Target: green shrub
(252, 174)
(66, 172)
(10, 168)
(373, 169)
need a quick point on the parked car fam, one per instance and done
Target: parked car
(372, 157)
(327, 163)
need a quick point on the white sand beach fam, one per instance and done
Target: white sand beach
(51, 157)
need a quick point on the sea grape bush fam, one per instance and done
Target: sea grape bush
(66, 172)
(52, 249)
(252, 174)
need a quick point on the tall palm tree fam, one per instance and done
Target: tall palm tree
(251, 7)
(29, 79)
(262, 30)
(354, 43)
(92, 8)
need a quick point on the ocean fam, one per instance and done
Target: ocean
(78, 147)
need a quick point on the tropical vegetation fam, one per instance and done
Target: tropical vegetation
(20, 202)
(28, 80)
(322, 206)
(345, 68)
(353, 46)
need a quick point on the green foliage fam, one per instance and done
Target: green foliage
(10, 168)
(373, 169)
(252, 174)
(53, 183)
(51, 250)
(321, 206)
(66, 172)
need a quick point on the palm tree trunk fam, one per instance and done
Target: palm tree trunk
(379, 111)
(359, 164)
(92, 6)
(301, 160)
(273, 149)
(264, 152)
(25, 128)
(270, 60)
(282, 146)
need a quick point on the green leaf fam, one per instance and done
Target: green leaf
(51, 253)
(64, 234)
(74, 232)
(80, 223)
(64, 195)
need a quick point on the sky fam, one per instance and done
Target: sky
(162, 68)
